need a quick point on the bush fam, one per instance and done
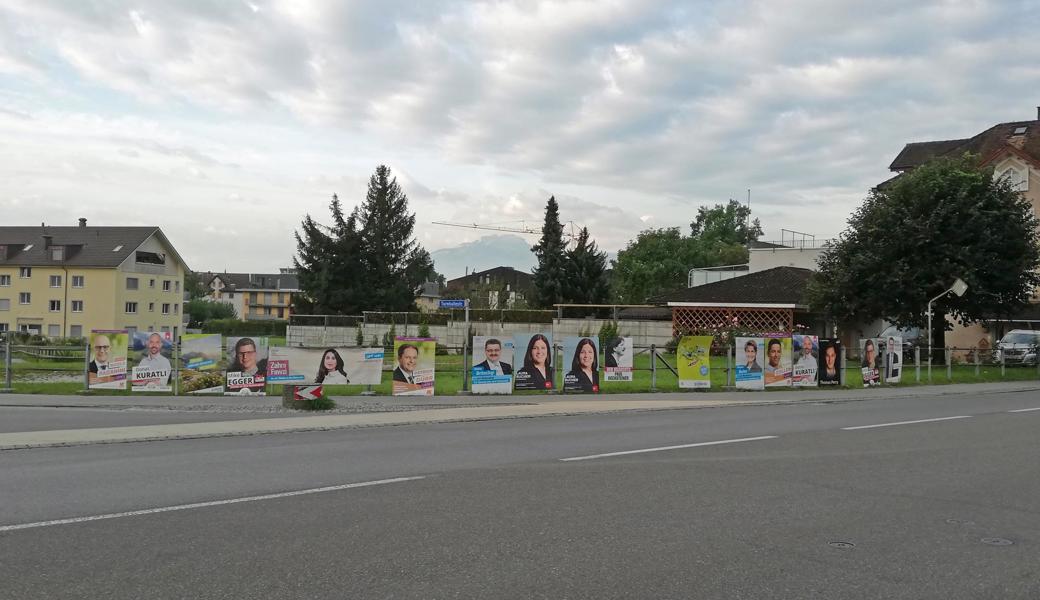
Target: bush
(322, 402)
(388, 337)
(607, 331)
(360, 337)
(424, 328)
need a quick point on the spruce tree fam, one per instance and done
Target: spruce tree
(328, 264)
(550, 274)
(395, 264)
(586, 281)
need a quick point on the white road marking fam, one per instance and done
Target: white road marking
(905, 423)
(662, 448)
(1024, 410)
(151, 511)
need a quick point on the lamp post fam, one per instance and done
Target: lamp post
(958, 288)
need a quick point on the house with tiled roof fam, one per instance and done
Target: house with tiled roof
(64, 281)
(254, 296)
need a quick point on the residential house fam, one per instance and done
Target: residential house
(500, 287)
(65, 281)
(254, 296)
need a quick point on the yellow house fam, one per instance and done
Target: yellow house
(65, 281)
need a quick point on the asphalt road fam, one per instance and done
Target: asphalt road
(17, 418)
(918, 510)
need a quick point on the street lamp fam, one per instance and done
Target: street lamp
(958, 287)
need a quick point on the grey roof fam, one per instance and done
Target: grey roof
(779, 285)
(519, 279)
(987, 144)
(917, 153)
(252, 281)
(84, 246)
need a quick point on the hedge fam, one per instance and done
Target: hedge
(234, 327)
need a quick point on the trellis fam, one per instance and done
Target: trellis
(686, 320)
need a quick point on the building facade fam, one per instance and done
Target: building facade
(65, 281)
(254, 296)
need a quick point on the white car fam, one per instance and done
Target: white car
(1019, 347)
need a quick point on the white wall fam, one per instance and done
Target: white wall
(761, 259)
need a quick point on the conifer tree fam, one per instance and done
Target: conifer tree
(551, 272)
(586, 281)
(328, 264)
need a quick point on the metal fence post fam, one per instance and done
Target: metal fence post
(176, 367)
(949, 363)
(465, 371)
(1002, 364)
(917, 363)
(86, 366)
(8, 385)
(730, 361)
(975, 351)
(653, 367)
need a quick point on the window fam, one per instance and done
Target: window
(77, 306)
(54, 306)
(25, 272)
(5, 280)
(164, 329)
(131, 308)
(55, 280)
(24, 298)
(176, 309)
(5, 304)
(166, 285)
(77, 281)
(151, 307)
(4, 327)
(75, 331)
(130, 331)
(57, 252)
(151, 283)
(166, 308)
(267, 297)
(54, 331)
(151, 258)
(131, 283)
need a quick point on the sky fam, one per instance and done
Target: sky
(226, 121)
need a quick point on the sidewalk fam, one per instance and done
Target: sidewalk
(452, 409)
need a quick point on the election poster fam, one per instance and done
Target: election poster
(152, 352)
(200, 371)
(870, 362)
(778, 361)
(831, 365)
(247, 366)
(581, 359)
(805, 364)
(535, 369)
(492, 371)
(693, 355)
(414, 371)
(893, 349)
(107, 369)
(325, 366)
(617, 359)
(749, 374)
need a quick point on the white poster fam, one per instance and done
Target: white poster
(617, 359)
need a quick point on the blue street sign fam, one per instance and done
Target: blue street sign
(460, 303)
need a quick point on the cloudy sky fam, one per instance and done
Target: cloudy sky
(224, 121)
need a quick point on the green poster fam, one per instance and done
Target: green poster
(693, 355)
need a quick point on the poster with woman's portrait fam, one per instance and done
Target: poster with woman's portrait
(870, 362)
(324, 366)
(829, 372)
(151, 354)
(492, 371)
(581, 359)
(617, 359)
(200, 364)
(247, 366)
(750, 353)
(414, 368)
(805, 362)
(693, 361)
(107, 368)
(534, 362)
(778, 361)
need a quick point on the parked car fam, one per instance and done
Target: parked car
(1018, 347)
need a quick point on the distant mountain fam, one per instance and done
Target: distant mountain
(487, 252)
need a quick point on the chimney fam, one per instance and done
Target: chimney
(83, 222)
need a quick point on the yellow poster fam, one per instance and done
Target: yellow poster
(694, 357)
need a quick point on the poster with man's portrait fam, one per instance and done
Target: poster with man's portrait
(247, 366)
(581, 361)
(107, 368)
(617, 359)
(805, 362)
(829, 372)
(415, 358)
(151, 354)
(777, 370)
(200, 371)
(870, 362)
(492, 371)
(750, 357)
(892, 347)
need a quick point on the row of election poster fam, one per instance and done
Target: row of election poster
(782, 361)
(525, 362)
(881, 359)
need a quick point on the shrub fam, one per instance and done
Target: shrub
(322, 402)
(424, 328)
(388, 337)
(360, 337)
(235, 327)
(607, 331)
